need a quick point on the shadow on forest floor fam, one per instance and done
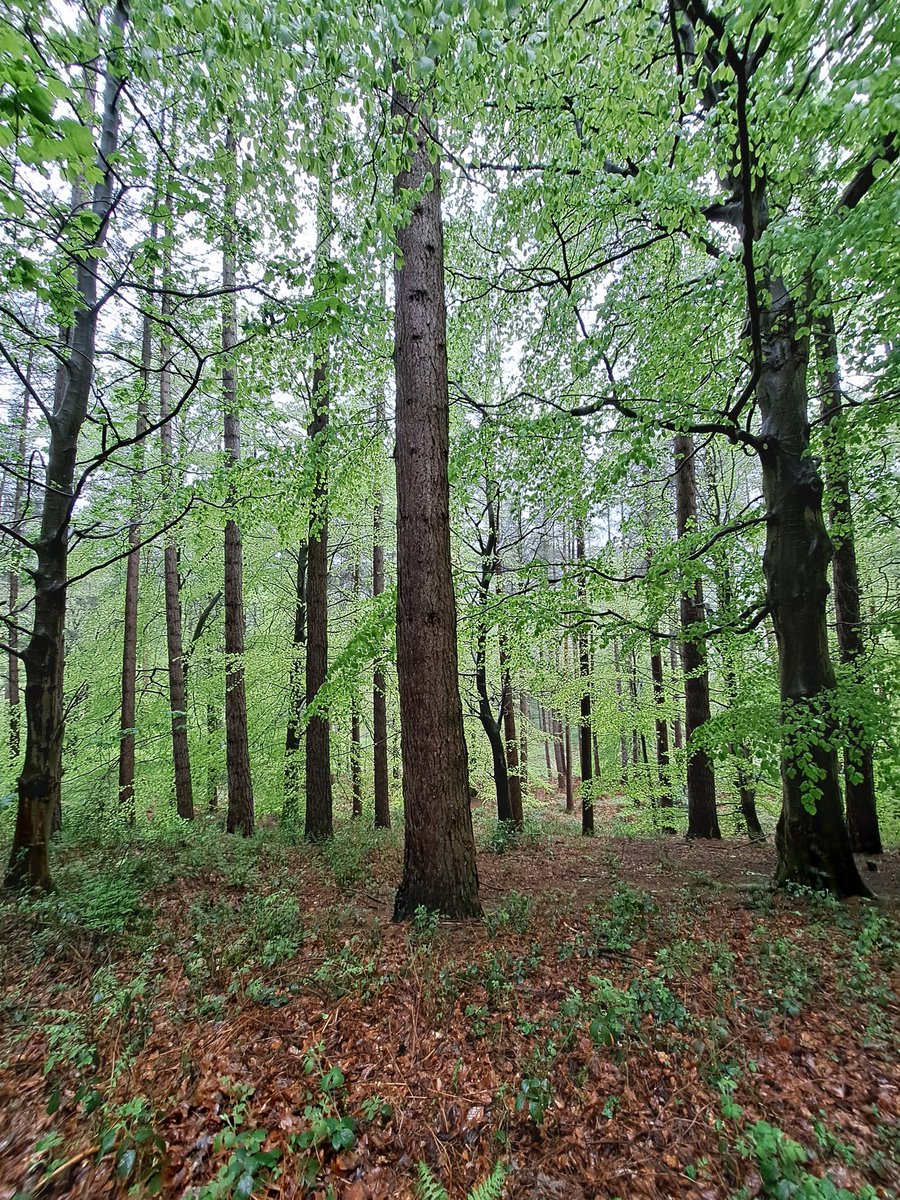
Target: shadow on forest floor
(193, 1015)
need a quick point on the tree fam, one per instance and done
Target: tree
(240, 817)
(439, 870)
(38, 783)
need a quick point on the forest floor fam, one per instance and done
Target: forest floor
(191, 1015)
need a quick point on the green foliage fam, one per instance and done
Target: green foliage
(782, 1166)
(429, 1186)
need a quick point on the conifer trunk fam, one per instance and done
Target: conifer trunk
(439, 870)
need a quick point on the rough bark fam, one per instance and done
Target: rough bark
(813, 846)
(296, 693)
(439, 870)
(38, 782)
(859, 768)
(703, 821)
(319, 799)
(240, 817)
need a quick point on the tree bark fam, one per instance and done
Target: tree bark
(39, 779)
(813, 846)
(128, 715)
(18, 514)
(664, 799)
(181, 757)
(490, 724)
(240, 817)
(296, 694)
(523, 737)
(439, 869)
(859, 768)
(379, 691)
(703, 821)
(510, 735)
(584, 729)
(319, 801)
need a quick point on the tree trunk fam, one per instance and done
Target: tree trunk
(439, 869)
(677, 738)
(18, 513)
(703, 821)
(319, 800)
(240, 818)
(547, 732)
(379, 692)
(859, 769)
(523, 738)
(489, 723)
(38, 783)
(620, 709)
(584, 729)
(296, 694)
(662, 728)
(128, 716)
(740, 753)
(811, 838)
(559, 752)
(507, 703)
(181, 759)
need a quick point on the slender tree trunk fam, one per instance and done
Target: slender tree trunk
(662, 728)
(547, 737)
(739, 752)
(379, 692)
(127, 731)
(859, 768)
(181, 758)
(620, 709)
(439, 870)
(18, 514)
(559, 752)
(212, 770)
(240, 818)
(523, 737)
(489, 723)
(584, 729)
(38, 783)
(507, 703)
(703, 821)
(674, 665)
(319, 800)
(296, 694)
(570, 791)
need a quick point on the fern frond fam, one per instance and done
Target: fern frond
(429, 1186)
(492, 1187)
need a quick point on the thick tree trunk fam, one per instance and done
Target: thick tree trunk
(859, 769)
(240, 818)
(379, 691)
(319, 800)
(38, 783)
(662, 729)
(128, 715)
(703, 821)
(439, 870)
(296, 694)
(181, 759)
(812, 840)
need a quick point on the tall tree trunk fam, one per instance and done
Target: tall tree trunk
(379, 691)
(739, 752)
(355, 732)
(240, 818)
(662, 728)
(859, 769)
(584, 729)
(813, 846)
(489, 723)
(547, 737)
(439, 869)
(559, 752)
(677, 737)
(128, 714)
(181, 758)
(620, 709)
(38, 783)
(703, 821)
(296, 694)
(319, 800)
(212, 769)
(18, 513)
